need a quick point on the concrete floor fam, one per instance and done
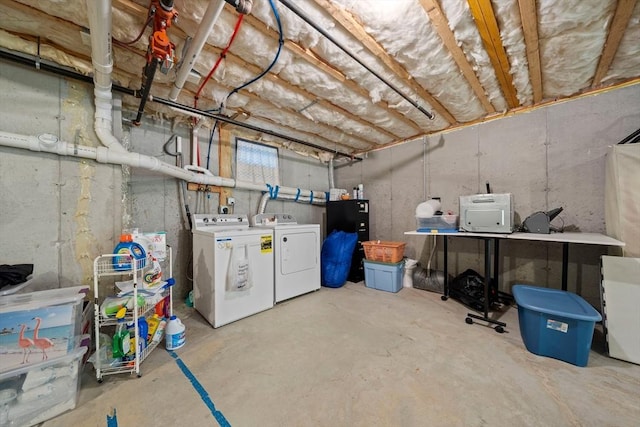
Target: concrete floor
(360, 357)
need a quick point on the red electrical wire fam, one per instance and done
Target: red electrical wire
(222, 55)
(214, 68)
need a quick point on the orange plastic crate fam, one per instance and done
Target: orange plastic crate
(376, 250)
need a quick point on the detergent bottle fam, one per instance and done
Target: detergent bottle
(129, 247)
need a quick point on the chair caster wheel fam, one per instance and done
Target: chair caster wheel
(468, 321)
(139, 375)
(444, 297)
(100, 381)
(499, 329)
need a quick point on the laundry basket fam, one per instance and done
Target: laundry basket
(376, 250)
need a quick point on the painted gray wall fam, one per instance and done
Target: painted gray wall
(59, 213)
(548, 157)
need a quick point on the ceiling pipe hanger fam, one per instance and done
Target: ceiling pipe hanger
(295, 9)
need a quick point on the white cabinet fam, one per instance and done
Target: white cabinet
(124, 312)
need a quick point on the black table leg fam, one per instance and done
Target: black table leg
(565, 264)
(487, 278)
(496, 260)
(446, 270)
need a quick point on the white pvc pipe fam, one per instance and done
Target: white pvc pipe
(48, 143)
(262, 205)
(332, 183)
(99, 12)
(206, 25)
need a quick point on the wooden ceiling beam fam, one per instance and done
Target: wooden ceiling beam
(138, 10)
(315, 60)
(441, 25)
(487, 24)
(619, 24)
(311, 97)
(355, 28)
(529, 18)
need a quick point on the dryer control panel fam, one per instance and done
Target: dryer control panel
(217, 222)
(272, 219)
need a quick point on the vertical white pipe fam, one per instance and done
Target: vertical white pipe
(101, 56)
(206, 25)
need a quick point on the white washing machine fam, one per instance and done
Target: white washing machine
(297, 254)
(232, 268)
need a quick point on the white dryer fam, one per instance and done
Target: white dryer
(232, 268)
(296, 254)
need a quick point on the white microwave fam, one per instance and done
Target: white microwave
(487, 213)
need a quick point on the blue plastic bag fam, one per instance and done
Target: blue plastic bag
(337, 251)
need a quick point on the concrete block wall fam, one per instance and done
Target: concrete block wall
(59, 213)
(548, 157)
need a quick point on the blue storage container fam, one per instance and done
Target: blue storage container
(383, 276)
(555, 323)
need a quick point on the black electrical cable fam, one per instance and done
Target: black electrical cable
(213, 131)
(295, 9)
(166, 144)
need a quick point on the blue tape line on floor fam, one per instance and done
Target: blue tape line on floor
(112, 421)
(201, 391)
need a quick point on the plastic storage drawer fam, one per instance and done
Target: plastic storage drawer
(437, 223)
(33, 394)
(555, 323)
(39, 325)
(383, 276)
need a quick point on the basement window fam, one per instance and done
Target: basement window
(256, 163)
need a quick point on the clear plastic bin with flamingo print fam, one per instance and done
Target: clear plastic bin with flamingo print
(37, 326)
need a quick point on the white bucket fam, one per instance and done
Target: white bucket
(174, 334)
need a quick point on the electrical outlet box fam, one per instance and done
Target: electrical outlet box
(224, 209)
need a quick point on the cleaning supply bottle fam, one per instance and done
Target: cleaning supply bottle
(175, 334)
(129, 247)
(157, 336)
(143, 332)
(153, 323)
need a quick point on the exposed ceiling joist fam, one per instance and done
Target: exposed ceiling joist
(139, 11)
(529, 18)
(327, 104)
(619, 23)
(487, 24)
(355, 28)
(312, 58)
(442, 27)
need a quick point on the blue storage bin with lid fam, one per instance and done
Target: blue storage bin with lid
(383, 276)
(555, 323)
